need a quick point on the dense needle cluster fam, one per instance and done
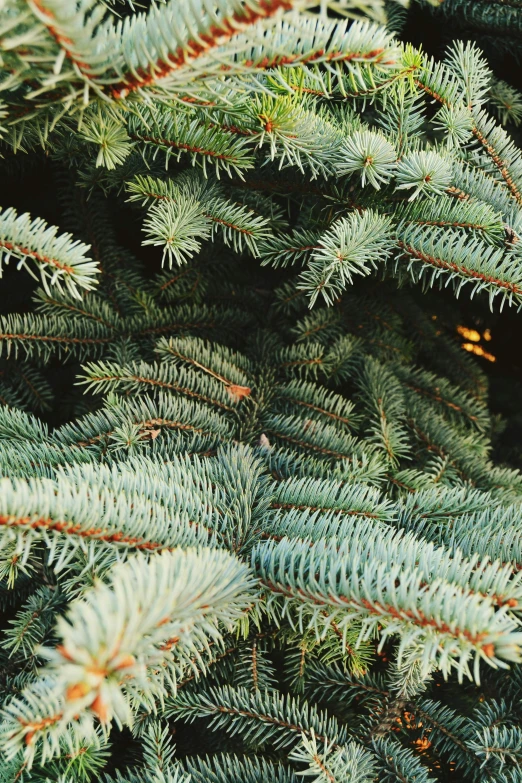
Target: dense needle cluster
(261, 535)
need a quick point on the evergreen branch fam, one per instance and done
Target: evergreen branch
(450, 400)
(319, 403)
(267, 717)
(228, 768)
(288, 250)
(204, 27)
(352, 246)
(237, 224)
(336, 581)
(59, 259)
(505, 157)
(105, 376)
(130, 424)
(384, 403)
(325, 440)
(309, 494)
(448, 213)
(101, 667)
(41, 335)
(227, 367)
(349, 763)
(398, 764)
(465, 260)
(182, 132)
(66, 517)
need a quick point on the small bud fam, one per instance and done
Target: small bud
(126, 662)
(64, 653)
(77, 691)
(237, 393)
(264, 442)
(100, 709)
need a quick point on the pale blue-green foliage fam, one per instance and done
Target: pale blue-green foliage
(314, 495)
(371, 155)
(280, 524)
(403, 117)
(254, 669)
(228, 768)
(424, 172)
(111, 138)
(147, 604)
(42, 336)
(476, 216)
(348, 585)
(51, 258)
(353, 246)
(492, 181)
(176, 133)
(141, 376)
(505, 101)
(105, 55)
(467, 63)
(239, 226)
(289, 249)
(294, 135)
(269, 111)
(259, 716)
(66, 329)
(488, 530)
(353, 583)
(349, 763)
(467, 738)
(229, 366)
(79, 761)
(118, 519)
(441, 252)
(177, 227)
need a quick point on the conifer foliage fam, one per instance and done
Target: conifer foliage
(262, 535)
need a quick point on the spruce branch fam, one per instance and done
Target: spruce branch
(371, 156)
(178, 228)
(102, 666)
(228, 767)
(262, 716)
(426, 172)
(462, 260)
(54, 259)
(342, 584)
(349, 763)
(505, 102)
(351, 247)
(238, 225)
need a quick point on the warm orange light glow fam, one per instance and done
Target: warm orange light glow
(469, 334)
(478, 350)
(487, 335)
(422, 743)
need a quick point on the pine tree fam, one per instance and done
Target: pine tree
(262, 535)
